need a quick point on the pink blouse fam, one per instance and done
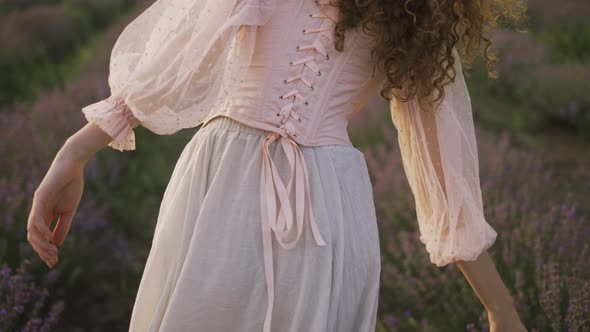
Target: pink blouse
(272, 65)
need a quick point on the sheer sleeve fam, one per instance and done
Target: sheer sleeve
(175, 63)
(440, 160)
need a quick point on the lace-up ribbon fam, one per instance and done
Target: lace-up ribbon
(271, 184)
(282, 224)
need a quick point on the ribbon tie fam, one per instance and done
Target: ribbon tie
(281, 224)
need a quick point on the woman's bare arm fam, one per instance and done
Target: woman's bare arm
(60, 192)
(85, 143)
(491, 291)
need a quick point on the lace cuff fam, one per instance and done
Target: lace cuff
(115, 118)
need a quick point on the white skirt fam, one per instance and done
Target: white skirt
(205, 269)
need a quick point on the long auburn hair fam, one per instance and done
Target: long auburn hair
(414, 39)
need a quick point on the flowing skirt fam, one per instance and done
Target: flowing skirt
(205, 269)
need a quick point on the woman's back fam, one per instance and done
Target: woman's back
(255, 73)
(296, 76)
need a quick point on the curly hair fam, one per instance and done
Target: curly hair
(414, 39)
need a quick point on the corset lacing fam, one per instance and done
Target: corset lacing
(270, 181)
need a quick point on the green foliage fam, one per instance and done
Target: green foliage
(568, 40)
(38, 40)
(534, 93)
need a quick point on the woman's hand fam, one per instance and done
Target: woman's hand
(58, 195)
(489, 287)
(60, 191)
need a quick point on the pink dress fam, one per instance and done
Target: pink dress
(268, 222)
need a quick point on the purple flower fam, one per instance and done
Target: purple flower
(19, 309)
(391, 320)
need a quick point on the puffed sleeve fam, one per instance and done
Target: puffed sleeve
(440, 160)
(175, 64)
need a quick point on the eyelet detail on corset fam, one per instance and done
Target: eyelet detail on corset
(315, 51)
(309, 62)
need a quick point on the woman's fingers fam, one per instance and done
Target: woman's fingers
(38, 233)
(43, 244)
(38, 239)
(62, 227)
(46, 251)
(44, 231)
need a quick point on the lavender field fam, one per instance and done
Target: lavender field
(533, 130)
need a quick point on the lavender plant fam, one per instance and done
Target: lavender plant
(541, 252)
(31, 134)
(24, 305)
(39, 35)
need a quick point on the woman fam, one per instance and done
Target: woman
(273, 83)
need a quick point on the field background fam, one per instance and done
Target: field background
(533, 130)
